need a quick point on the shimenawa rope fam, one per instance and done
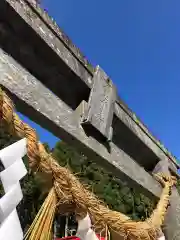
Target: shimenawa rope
(69, 191)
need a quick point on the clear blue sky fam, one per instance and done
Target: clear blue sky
(137, 43)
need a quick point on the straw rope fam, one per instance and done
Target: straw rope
(70, 191)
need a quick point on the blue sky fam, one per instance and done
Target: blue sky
(137, 43)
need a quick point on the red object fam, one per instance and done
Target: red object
(100, 238)
(68, 238)
(76, 238)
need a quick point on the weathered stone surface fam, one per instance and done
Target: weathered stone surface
(42, 29)
(54, 43)
(35, 55)
(171, 227)
(86, 63)
(58, 32)
(39, 104)
(141, 146)
(141, 125)
(172, 223)
(100, 107)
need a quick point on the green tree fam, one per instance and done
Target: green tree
(111, 190)
(178, 186)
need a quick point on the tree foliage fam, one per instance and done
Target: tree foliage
(178, 186)
(108, 188)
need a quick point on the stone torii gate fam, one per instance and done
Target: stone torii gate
(54, 85)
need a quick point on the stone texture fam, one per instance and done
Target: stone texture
(38, 103)
(100, 107)
(171, 227)
(32, 21)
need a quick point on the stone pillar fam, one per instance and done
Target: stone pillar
(171, 226)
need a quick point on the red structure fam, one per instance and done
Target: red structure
(76, 238)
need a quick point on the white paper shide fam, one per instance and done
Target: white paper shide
(84, 231)
(15, 170)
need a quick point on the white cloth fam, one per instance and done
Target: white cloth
(84, 231)
(162, 238)
(11, 158)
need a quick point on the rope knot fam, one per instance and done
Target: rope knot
(166, 178)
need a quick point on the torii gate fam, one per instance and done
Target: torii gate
(51, 82)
